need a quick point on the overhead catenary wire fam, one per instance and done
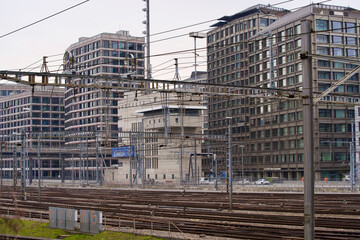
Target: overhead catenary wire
(218, 47)
(199, 49)
(43, 19)
(180, 28)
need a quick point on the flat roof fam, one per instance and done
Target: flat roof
(248, 11)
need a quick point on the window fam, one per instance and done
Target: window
(351, 52)
(283, 118)
(106, 44)
(291, 116)
(324, 112)
(131, 46)
(290, 81)
(325, 127)
(325, 156)
(289, 33)
(36, 107)
(324, 75)
(338, 75)
(352, 88)
(355, 77)
(264, 22)
(299, 129)
(337, 39)
(45, 122)
(350, 40)
(323, 50)
(322, 25)
(36, 114)
(36, 99)
(323, 63)
(340, 88)
(340, 127)
(350, 27)
(338, 51)
(289, 45)
(339, 113)
(338, 65)
(114, 45)
(322, 38)
(340, 156)
(336, 26)
(350, 113)
(281, 36)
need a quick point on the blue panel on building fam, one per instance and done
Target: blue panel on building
(123, 151)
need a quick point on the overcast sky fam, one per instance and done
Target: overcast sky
(52, 36)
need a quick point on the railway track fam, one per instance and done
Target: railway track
(254, 215)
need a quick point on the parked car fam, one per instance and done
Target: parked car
(245, 182)
(206, 181)
(262, 181)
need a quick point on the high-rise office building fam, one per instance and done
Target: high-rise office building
(24, 112)
(107, 54)
(95, 110)
(271, 131)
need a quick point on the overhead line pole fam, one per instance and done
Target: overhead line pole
(309, 224)
(148, 64)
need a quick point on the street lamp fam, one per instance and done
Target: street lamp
(196, 35)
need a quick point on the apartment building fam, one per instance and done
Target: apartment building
(272, 130)
(163, 157)
(26, 111)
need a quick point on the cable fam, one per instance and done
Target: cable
(182, 35)
(175, 29)
(43, 19)
(162, 63)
